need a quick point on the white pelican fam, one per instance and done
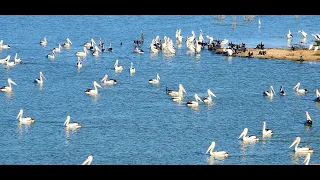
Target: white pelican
(289, 35)
(265, 131)
(259, 22)
(248, 138)
(40, 80)
(25, 120)
(282, 92)
(52, 55)
(176, 93)
(57, 49)
(117, 67)
(305, 149)
(8, 88)
(67, 44)
(10, 63)
(317, 99)
(208, 99)
(304, 34)
(106, 81)
(155, 81)
(96, 51)
(88, 160)
(137, 50)
(71, 125)
(219, 153)
(271, 93)
(309, 120)
(195, 102)
(5, 60)
(17, 59)
(93, 91)
(132, 69)
(82, 53)
(79, 63)
(4, 46)
(44, 41)
(89, 44)
(300, 91)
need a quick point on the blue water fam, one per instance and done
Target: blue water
(135, 123)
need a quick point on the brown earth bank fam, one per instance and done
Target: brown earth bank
(298, 54)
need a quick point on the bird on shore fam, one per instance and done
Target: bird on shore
(304, 34)
(289, 35)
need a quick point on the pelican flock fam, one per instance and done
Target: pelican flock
(193, 43)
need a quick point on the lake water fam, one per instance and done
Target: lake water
(136, 123)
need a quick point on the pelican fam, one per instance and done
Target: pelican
(282, 93)
(317, 99)
(5, 60)
(316, 36)
(82, 53)
(137, 50)
(57, 49)
(96, 51)
(79, 63)
(259, 22)
(106, 81)
(219, 153)
(300, 91)
(271, 93)
(195, 102)
(40, 80)
(132, 69)
(117, 67)
(88, 161)
(304, 34)
(289, 35)
(4, 46)
(10, 64)
(44, 41)
(25, 120)
(176, 93)
(93, 91)
(265, 131)
(67, 44)
(248, 138)
(52, 55)
(8, 88)
(155, 81)
(71, 125)
(309, 120)
(208, 99)
(305, 149)
(17, 59)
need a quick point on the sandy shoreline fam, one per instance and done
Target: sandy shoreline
(281, 54)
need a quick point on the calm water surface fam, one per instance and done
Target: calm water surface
(135, 123)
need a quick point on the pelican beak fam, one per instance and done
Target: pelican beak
(294, 142)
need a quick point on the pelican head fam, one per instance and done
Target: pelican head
(212, 145)
(297, 140)
(11, 82)
(211, 93)
(41, 75)
(20, 113)
(67, 120)
(88, 160)
(182, 88)
(197, 97)
(244, 133)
